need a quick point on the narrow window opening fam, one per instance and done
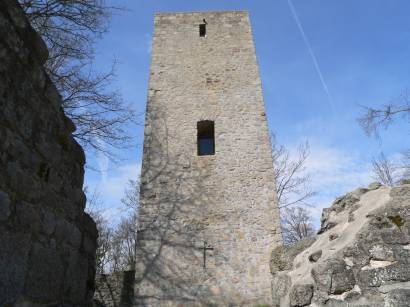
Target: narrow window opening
(206, 138)
(202, 29)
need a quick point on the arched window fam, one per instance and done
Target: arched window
(206, 138)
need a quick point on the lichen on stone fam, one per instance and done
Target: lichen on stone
(396, 220)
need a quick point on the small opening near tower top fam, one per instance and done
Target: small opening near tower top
(202, 30)
(206, 138)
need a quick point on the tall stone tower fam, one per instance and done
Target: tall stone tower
(208, 213)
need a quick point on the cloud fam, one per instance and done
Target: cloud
(102, 160)
(110, 189)
(334, 172)
(335, 169)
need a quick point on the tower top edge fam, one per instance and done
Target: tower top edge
(201, 13)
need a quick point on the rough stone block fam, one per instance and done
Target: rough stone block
(280, 287)
(333, 277)
(14, 253)
(301, 295)
(45, 275)
(4, 206)
(398, 297)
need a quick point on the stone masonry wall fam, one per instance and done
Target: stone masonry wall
(114, 290)
(47, 242)
(226, 200)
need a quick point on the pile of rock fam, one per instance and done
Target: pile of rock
(360, 257)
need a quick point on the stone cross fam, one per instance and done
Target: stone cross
(205, 248)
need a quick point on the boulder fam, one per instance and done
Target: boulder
(301, 295)
(282, 256)
(360, 257)
(315, 256)
(333, 276)
(398, 297)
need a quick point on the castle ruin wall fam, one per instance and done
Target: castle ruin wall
(47, 242)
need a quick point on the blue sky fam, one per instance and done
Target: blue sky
(362, 50)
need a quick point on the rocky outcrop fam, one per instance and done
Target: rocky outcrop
(47, 242)
(360, 257)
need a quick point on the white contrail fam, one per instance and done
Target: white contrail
(309, 47)
(102, 160)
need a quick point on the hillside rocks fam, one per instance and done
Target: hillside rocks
(47, 242)
(360, 257)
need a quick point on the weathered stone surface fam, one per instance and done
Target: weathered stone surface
(4, 206)
(280, 287)
(333, 236)
(301, 295)
(340, 204)
(78, 275)
(14, 253)
(45, 274)
(381, 252)
(116, 289)
(227, 199)
(314, 257)
(374, 186)
(66, 231)
(48, 222)
(282, 257)
(333, 277)
(398, 297)
(369, 262)
(43, 260)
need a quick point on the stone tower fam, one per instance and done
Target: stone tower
(208, 214)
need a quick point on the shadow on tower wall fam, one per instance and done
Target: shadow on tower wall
(175, 209)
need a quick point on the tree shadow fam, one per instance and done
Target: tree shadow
(176, 197)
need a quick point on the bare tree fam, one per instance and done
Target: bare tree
(292, 181)
(70, 30)
(384, 170)
(125, 238)
(126, 243)
(132, 196)
(372, 120)
(116, 261)
(116, 245)
(296, 224)
(103, 254)
(375, 118)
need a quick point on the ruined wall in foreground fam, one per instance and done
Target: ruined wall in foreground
(227, 199)
(47, 242)
(115, 289)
